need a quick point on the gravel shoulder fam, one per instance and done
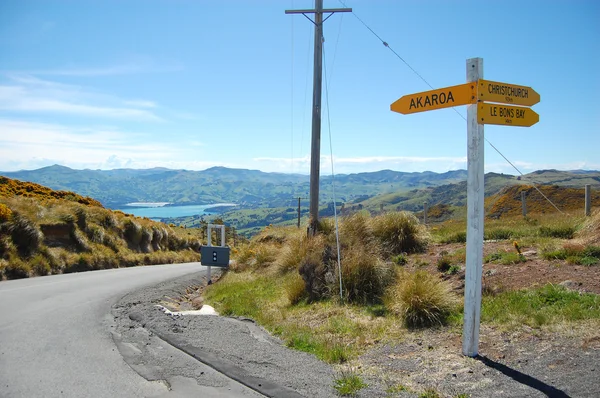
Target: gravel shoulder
(239, 345)
(556, 362)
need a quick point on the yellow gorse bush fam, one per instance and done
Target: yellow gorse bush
(5, 212)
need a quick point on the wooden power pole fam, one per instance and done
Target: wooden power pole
(315, 151)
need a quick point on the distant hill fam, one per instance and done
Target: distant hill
(252, 189)
(248, 188)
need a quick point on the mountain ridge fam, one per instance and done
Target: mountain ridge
(255, 188)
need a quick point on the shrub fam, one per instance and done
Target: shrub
(364, 276)
(444, 263)
(25, 234)
(5, 213)
(421, 299)
(400, 259)
(454, 269)
(399, 232)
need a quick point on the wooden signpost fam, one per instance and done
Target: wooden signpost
(477, 94)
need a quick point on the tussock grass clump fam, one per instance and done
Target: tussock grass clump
(314, 268)
(146, 240)
(444, 262)
(399, 232)
(40, 265)
(16, 268)
(295, 289)
(365, 276)
(132, 232)
(296, 249)
(421, 299)
(348, 384)
(25, 234)
(356, 229)
(80, 240)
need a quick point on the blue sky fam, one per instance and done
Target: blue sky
(195, 84)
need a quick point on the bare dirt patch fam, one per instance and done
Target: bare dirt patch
(534, 272)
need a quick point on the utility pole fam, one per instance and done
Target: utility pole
(315, 149)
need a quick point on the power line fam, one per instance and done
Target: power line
(386, 44)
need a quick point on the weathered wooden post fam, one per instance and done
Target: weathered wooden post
(425, 208)
(588, 200)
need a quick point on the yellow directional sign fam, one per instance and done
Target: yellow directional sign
(507, 93)
(436, 99)
(506, 115)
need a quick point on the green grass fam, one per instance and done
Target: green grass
(546, 305)
(505, 258)
(550, 226)
(348, 384)
(430, 393)
(397, 388)
(574, 254)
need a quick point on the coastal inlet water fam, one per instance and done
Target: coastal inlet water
(161, 211)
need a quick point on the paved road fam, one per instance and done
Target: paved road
(56, 341)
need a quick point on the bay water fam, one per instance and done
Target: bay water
(158, 212)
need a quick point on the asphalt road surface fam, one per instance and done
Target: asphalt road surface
(56, 340)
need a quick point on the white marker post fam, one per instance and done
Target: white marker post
(475, 213)
(209, 243)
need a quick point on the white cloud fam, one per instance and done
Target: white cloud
(29, 145)
(345, 165)
(29, 94)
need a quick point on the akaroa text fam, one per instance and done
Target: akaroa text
(431, 100)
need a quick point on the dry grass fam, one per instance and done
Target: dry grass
(83, 237)
(589, 232)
